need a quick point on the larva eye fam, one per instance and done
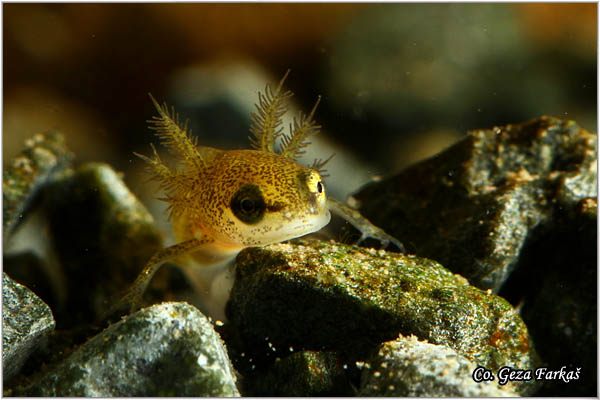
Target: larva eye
(248, 204)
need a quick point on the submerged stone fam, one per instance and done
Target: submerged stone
(407, 367)
(303, 373)
(30, 270)
(506, 207)
(170, 349)
(321, 296)
(561, 310)
(26, 321)
(43, 157)
(474, 206)
(103, 236)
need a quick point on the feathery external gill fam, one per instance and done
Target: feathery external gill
(166, 127)
(178, 184)
(302, 128)
(265, 125)
(319, 165)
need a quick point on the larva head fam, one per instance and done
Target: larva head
(254, 198)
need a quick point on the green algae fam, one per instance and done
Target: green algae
(328, 296)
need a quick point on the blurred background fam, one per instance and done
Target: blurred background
(399, 82)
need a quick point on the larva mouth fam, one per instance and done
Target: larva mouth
(315, 224)
(290, 230)
(304, 227)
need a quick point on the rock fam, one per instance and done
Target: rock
(474, 206)
(169, 349)
(407, 367)
(560, 310)
(28, 269)
(44, 156)
(102, 234)
(320, 296)
(303, 373)
(26, 321)
(506, 207)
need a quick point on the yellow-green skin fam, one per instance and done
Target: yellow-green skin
(223, 201)
(295, 203)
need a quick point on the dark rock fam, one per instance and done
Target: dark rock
(169, 349)
(407, 367)
(320, 296)
(44, 156)
(474, 206)
(28, 269)
(26, 321)
(560, 310)
(102, 234)
(507, 207)
(303, 373)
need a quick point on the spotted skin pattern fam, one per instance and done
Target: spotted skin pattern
(289, 190)
(222, 201)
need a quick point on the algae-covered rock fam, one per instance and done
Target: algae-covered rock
(303, 373)
(474, 206)
(407, 367)
(102, 233)
(26, 320)
(43, 157)
(169, 349)
(348, 299)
